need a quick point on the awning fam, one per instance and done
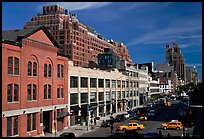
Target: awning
(63, 114)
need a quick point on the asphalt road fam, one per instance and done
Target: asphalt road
(151, 125)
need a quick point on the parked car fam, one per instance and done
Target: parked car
(69, 135)
(174, 124)
(131, 126)
(151, 134)
(119, 118)
(131, 133)
(131, 113)
(107, 123)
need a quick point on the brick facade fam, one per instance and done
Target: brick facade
(36, 48)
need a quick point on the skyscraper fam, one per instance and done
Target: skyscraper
(79, 42)
(175, 58)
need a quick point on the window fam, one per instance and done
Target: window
(113, 84)
(34, 122)
(9, 128)
(60, 71)
(73, 82)
(100, 83)
(74, 98)
(45, 70)
(12, 92)
(45, 91)
(16, 66)
(16, 90)
(10, 65)
(107, 96)
(13, 64)
(84, 82)
(119, 95)
(119, 83)
(92, 96)
(84, 97)
(31, 122)
(15, 125)
(49, 91)
(60, 92)
(49, 70)
(107, 83)
(34, 92)
(101, 96)
(92, 82)
(29, 91)
(9, 93)
(29, 68)
(34, 69)
(41, 117)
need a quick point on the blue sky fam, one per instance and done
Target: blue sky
(144, 27)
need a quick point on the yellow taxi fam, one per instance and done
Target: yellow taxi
(131, 126)
(174, 124)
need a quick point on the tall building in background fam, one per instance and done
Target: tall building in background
(79, 42)
(191, 75)
(175, 58)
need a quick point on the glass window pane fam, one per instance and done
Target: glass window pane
(84, 82)
(34, 92)
(74, 98)
(58, 70)
(58, 92)
(45, 91)
(9, 93)
(29, 122)
(29, 91)
(49, 91)
(62, 92)
(15, 125)
(16, 90)
(16, 66)
(49, 70)
(34, 69)
(62, 71)
(9, 124)
(10, 65)
(34, 122)
(45, 70)
(73, 82)
(29, 68)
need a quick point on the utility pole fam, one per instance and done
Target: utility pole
(87, 116)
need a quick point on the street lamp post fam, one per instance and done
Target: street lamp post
(87, 117)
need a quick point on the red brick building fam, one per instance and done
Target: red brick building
(79, 42)
(34, 83)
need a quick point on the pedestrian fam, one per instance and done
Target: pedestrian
(95, 120)
(111, 128)
(160, 133)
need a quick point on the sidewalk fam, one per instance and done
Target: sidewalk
(78, 129)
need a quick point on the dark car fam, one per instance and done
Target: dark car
(69, 135)
(130, 133)
(119, 118)
(151, 134)
(107, 123)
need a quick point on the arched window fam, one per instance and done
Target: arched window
(34, 69)
(29, 68)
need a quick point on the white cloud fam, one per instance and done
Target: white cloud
(177, 27)
(191, 65)
(72, 6)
